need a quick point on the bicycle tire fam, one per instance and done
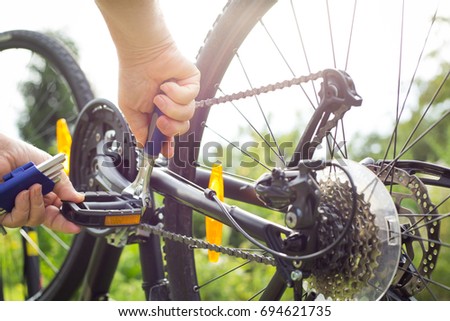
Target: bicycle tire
(70, 274)
(228, 32)
(226, 36)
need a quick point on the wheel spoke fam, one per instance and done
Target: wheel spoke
(40, 252)
(399, 77)
(287, 63)
(419, 238)
(425, 112)
(256, 130)
(441, 285)
(257, 293)
(420, 276)
(237, 147)
(297, 24)
(437, 217)
(351, 35)
(221, 275)
(411, 82)
(55, 237)
(269, 128)
(330, 29)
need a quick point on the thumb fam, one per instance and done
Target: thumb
(65, 190)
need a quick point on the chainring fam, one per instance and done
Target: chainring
(101, 138)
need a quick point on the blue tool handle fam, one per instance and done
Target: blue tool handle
(20, 179)
(155, 138)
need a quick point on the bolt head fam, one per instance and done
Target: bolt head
(291, 220)
(296, 275)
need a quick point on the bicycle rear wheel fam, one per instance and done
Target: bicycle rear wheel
(248, 48)
(42, 82)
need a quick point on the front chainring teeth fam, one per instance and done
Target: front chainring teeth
(101, 130)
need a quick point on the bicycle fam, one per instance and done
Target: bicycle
(396, 242)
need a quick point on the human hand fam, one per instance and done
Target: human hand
(167, 80)
(31, 207)
(152, 71)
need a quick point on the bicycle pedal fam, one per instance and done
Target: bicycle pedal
(104, 209)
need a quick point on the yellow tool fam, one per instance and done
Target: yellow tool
(213, 227)
(63, 142)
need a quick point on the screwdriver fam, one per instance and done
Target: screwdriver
(47, 174)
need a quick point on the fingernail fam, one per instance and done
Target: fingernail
(37, 192)
(26, 196)
(159, 101)
(164, 87)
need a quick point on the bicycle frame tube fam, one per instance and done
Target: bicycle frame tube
(193, 196)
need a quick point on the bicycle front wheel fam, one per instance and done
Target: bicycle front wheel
(403, 116)
(41, 82)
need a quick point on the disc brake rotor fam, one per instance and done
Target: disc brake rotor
(364, 264)
(421, 242)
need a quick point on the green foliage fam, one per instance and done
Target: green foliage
(127, 283)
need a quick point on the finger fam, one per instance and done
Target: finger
(51, 199)
(168, 148)
(138, 122)
(170, 127)
(181, 92)
(19, 214)
(174, 110)
(57, 222)
(65, 191)
(37, 208)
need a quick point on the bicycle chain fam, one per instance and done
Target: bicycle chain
(201, 244)
(320, 134)
(257, 91)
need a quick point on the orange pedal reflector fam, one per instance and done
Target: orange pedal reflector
(121, 220)
(214, 227)
(64, 142)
